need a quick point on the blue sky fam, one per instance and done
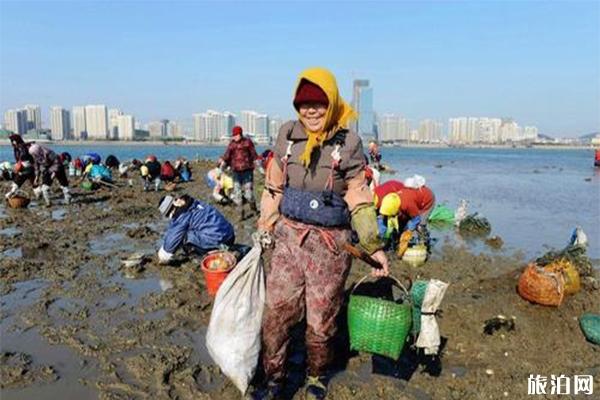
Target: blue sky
(538, 62)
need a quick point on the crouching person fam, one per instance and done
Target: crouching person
(195, 226)
(48, 167)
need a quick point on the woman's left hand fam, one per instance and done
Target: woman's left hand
(380, 257)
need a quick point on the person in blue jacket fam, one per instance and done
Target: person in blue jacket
(195, 226)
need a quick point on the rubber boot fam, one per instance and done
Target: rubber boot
(37, 192)
(67, 195)
(13, 189)
(253, 207)
(242, 213)
(46, 194)
(315, 389)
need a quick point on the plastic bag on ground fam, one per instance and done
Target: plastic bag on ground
(233, 337)
(441, 214)
(461, 212)
(429, 336)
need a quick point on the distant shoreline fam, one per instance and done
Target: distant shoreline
(407, 145)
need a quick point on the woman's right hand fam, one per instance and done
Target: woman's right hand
(380, 257)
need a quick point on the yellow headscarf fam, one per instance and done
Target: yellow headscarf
(339, 113)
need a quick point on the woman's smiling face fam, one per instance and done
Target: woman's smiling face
(312, 116)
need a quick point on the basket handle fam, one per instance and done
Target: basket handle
(396, 280)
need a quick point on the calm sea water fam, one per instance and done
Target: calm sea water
(532, 197)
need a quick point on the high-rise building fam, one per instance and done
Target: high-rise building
(79, 127)
(174, 129)
(430, 131)
(261, 129)
(158, 129)
(275, 124)
(457, 130)
(247, 121)
(113, 123)
(256, 125)
(60, 123)
(96, 122)
(465, 130)
(229, 123)
(213, 126)
(362, 102)
(34, 116)
(530, 133)
(16, 121)
(126, 127)
(199, 126)
(393, 128)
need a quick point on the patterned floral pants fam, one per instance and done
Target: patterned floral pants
(306, 279)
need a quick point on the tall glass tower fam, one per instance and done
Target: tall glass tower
(362, 101)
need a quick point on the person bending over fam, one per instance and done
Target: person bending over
(195, 226)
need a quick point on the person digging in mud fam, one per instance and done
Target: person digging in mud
(222, 185)
(183, 170)
(195, 226)
(167, 172)
(98, 173)
(48, 166)
(24, 169)
(150, 172)
(404, 208)
(112, 162)
(240, 156)
(315, 189)
(7, 171)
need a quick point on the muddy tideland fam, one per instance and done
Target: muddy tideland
(78, 324)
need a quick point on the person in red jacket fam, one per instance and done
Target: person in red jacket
(167, 172)
(415, 200)
(404, 207)
(240, 156)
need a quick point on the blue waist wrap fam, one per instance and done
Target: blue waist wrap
(324, 208)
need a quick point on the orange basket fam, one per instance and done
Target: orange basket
(569, 274)
(215, 277)
(18, 201)
(541, 287)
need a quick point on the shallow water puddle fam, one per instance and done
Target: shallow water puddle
(69, 367)
(13, 253)
(110, 243)
(135, 289)
(23, 294)
(59, 214)
(10, 232)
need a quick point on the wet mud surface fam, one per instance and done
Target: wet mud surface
(75, 322)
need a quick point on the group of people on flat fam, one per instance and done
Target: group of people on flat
(41, 166)
(319, 188)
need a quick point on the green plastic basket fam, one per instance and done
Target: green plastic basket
(87, 185)
(417, 294)
(590, 325)
(379, 326)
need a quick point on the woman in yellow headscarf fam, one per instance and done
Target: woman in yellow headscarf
(315, 191)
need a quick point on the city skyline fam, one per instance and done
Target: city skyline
(99, 122)
(535, 62)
